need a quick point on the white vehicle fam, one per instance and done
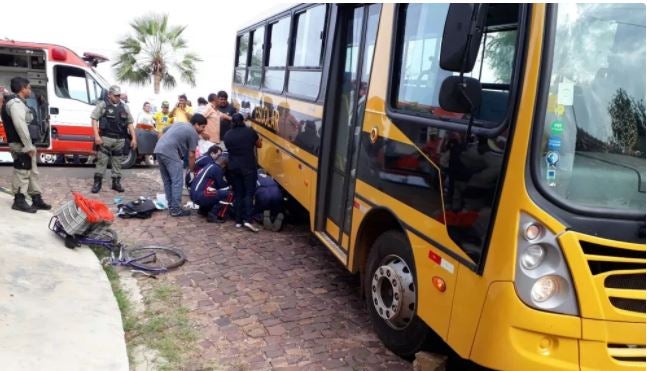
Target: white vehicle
(66, 87)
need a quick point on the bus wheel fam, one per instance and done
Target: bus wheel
(390, 291)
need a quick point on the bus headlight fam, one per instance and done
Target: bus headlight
(544, 288)
(532, 257)
(542, 277)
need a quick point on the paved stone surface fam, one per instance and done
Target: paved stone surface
(262, 301)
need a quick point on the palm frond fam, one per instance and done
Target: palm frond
(151, 49)
(168, 81)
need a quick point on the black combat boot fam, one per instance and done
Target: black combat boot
(20, 204)
(116, 185)
(38, 203)
(96, 187)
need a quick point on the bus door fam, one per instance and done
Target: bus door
(345, 104)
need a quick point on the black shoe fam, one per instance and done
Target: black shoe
(203, 212)
(214, 219)
(180, 212)
(20, 204)
(96, 187)
(38, 203)
(116, 185)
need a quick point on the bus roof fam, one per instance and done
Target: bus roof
(269, 13)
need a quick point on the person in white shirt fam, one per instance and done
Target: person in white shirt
(146, 117)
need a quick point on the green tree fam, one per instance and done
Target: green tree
(152, 51)
(627, 122)
(499, 52)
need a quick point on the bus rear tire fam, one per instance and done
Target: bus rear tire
(390, 292)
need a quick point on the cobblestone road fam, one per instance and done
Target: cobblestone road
(262, 301)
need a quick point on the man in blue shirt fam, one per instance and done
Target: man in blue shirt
(179, 139)
(268, 202)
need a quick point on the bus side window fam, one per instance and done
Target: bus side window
(304, 78)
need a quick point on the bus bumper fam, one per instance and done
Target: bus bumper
(513, 336)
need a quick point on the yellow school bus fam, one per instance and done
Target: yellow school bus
(481, 166)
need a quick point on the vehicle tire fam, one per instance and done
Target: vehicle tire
(391, 297)
(156, 259)
(47, 158)
(129, 161)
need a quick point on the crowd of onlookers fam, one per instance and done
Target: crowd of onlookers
(209, 150)
(216, 150)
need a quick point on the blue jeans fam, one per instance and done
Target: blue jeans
(171, 171)
(244, 183)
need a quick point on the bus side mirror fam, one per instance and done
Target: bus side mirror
(460, 94)
(462, 36)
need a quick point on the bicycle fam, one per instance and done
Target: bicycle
(86, 222)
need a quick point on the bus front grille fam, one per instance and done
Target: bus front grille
(625, 281)
(627, 352)
(622, 272)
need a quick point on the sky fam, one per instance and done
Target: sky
(96, 26)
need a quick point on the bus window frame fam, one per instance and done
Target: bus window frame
(325, 55)
(250, 49)
(408, 117)
(608, 223)
(293, 39)
(239, 35)
(268, 39)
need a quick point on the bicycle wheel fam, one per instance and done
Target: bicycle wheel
(155, 258)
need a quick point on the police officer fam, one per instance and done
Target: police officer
(112, 124)
(15, 117)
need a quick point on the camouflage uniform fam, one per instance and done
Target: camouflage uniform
(112, 147)
(24, 181)
(112, 122)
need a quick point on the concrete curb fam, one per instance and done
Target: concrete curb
(57, 309)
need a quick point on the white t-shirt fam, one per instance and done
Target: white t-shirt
(145, 118)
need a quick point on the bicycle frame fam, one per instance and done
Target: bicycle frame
(118, 255)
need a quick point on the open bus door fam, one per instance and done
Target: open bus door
(357, 32)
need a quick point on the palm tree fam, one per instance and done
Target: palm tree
(152, 51)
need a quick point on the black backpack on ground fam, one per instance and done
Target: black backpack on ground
(142, 209)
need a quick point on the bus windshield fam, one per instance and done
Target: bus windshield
(592, 152)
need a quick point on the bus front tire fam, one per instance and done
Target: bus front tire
(390, 293)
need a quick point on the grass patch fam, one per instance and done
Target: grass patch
(164, 325)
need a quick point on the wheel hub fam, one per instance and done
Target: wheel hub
(393, 292)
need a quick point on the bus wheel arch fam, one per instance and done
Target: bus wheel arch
(376, 222)
(390, 292)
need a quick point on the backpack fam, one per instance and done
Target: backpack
(142, 209)
(33, 127)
